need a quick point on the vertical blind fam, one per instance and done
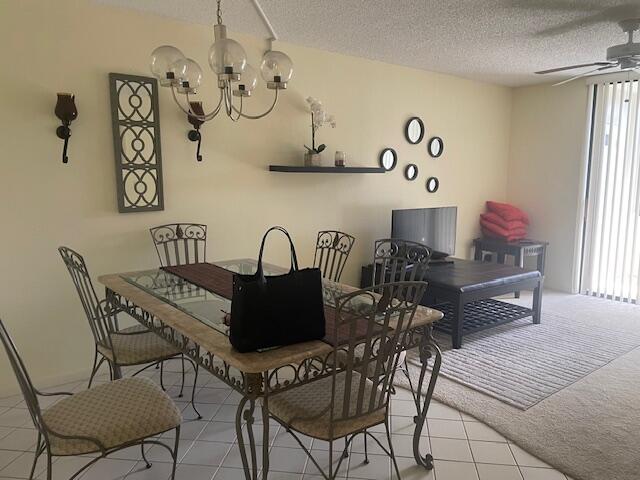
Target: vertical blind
(611, 256)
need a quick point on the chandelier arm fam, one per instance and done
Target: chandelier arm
(202, 118)
(257, 117)
(240, 112)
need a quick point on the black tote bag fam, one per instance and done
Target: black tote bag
(269, 311)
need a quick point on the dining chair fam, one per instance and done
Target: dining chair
(395, 259)
(180, 243)
(101, 420)
(120, 347)
(332, 251)
(340, 402)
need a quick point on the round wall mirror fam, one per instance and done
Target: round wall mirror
(435, 147)
(432, 184)
(411, 171)
(388, 159)
(414, 130)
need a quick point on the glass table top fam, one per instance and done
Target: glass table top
(205, 306)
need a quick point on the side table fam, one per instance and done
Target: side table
(518, 249)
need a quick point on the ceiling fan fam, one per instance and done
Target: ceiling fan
(625, 56)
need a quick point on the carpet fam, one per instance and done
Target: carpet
(522, 364)
(590, 429)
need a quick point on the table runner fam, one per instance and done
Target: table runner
(219, 280)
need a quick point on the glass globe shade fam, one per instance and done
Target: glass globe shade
(188, 74)
(276, 67)
(226, 56)
(161, 60)
(248, 79)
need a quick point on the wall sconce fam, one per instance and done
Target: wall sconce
(66, 111)
(194, 135)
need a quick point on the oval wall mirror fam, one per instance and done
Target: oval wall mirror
(435, 147)
(411, 171)
(432, 184)
(388, 159)
(414, 130)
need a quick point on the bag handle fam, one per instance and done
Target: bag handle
(294, 258)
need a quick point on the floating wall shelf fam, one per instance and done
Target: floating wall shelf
(300, 169)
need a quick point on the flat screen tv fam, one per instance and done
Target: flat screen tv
(433, 227)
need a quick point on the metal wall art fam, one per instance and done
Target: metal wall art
(136, 140)
(67, 112)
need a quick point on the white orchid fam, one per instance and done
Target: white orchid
(318, 118)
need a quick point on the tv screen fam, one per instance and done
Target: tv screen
(433, 227)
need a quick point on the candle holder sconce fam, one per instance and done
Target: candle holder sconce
(195, 135)
(67, 112)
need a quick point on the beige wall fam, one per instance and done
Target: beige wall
(547, 141)
(71, 45)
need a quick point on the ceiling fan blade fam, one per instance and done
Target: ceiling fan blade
(585, 74)
(583, 65)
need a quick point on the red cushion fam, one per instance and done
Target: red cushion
(498, 220)
(503, 232)
(507, 212)
(514, 238)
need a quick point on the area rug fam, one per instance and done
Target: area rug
(589, 430)
(522, 364)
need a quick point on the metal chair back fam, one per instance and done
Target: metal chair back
(101, 320)
(397, 260)
(180, 243)
(332, 251)
(22, 376)
(368, 362)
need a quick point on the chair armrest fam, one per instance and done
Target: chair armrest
(51, 394)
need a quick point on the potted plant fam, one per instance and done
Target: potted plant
(319, 117)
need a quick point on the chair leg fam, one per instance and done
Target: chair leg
(345, 454)
(162, 376)
(36, 455)
(393, 456)
(366, 450)
(49, 469)
(193, 391)
(95, 368)
(147, 464)
(182, 385)
(175, 453)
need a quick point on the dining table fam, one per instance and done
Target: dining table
(186, 305)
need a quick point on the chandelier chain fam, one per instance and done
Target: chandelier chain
(219, 12)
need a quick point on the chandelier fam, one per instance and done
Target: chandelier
(228, 60)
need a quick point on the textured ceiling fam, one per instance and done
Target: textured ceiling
(497, 41)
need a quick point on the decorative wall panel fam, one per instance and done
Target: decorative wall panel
(136, 141)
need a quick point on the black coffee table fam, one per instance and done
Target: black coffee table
(463, 291)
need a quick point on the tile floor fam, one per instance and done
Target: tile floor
(463, 448)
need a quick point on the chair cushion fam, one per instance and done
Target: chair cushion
(306, 408)
(136, 348)
(114, 413)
